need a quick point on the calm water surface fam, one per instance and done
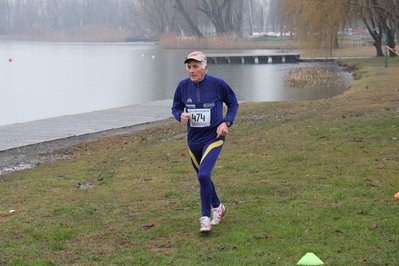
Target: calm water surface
(47, 80)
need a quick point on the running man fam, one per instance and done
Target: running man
(198, 102)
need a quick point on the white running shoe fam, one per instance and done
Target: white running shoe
(218, 214)
(206, 226)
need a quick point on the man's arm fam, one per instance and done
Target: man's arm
(177, 106)
(232, 106)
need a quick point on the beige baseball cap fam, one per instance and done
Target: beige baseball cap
(197, 56)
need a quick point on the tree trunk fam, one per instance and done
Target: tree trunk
(377, 44)
(397, 32)
(376, 35)
(251, 20)
(391, 41)
(229, 18)
(240, 17)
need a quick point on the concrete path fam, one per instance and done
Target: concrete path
(29, 133)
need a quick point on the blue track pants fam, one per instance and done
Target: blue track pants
(203, 158)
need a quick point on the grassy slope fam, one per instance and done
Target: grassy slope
(296, 177)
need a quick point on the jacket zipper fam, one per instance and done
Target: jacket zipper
(198, 93)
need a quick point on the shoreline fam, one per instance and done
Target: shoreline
(29, 156)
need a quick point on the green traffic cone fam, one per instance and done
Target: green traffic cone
(310, 259)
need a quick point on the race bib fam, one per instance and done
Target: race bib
(200, 117)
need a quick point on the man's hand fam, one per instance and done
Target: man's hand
(222, 130)
(184, 117)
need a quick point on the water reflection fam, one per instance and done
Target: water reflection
(47, 80)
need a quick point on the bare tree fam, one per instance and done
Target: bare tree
(317, 22)
(225, 15)
(180, 8)
(214, 11)
(158, 13)
(380, 19)
(221, 14)
(371, 21)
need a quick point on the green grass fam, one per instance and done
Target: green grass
(296, 177)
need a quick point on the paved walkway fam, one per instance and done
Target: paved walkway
(24, 134)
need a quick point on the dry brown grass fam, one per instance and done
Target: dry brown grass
(225, 42)
(312, 77)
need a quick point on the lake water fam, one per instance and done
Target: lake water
(43, 80)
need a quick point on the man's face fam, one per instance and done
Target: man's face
(195, 71)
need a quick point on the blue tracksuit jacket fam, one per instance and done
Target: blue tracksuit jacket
(206, 97)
